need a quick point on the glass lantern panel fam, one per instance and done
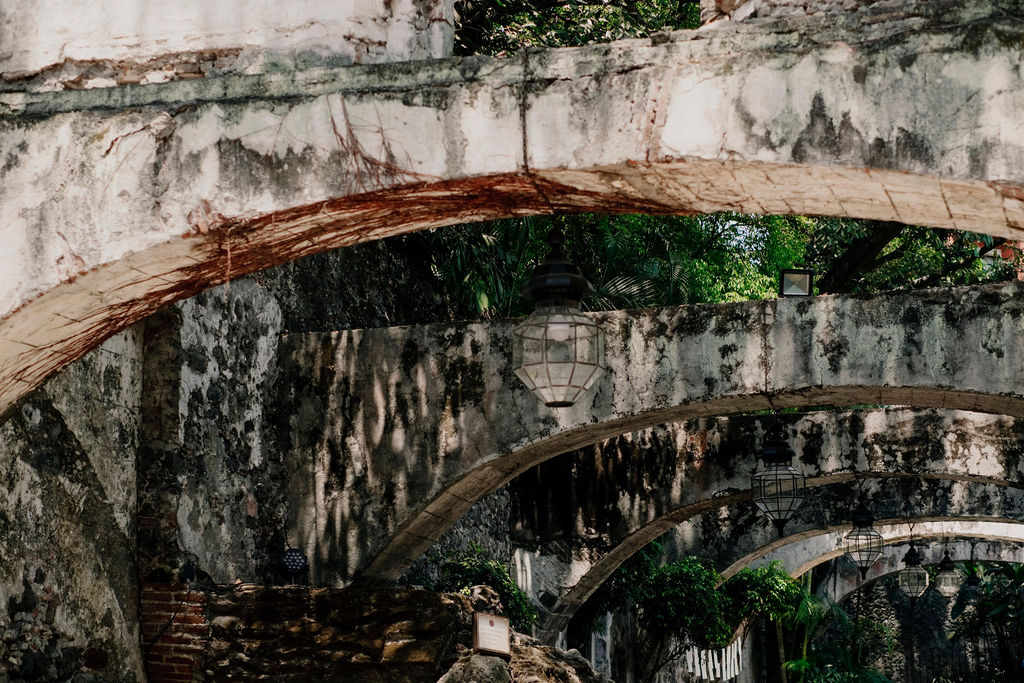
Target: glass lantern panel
(913, 581)
(863, 546)
(559, 373)
(948, 583)
(778, 490)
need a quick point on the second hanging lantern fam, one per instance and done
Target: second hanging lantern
(863, 544)
(778, 489)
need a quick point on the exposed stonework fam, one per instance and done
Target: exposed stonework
(293, 634)
(70, 45)
(257, 170)
(302, 634)
(67, 524)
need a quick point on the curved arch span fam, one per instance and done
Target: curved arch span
(847, 579)
(802, 552)
(119, 200)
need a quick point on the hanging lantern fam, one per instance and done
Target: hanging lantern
(863, 544)
(778, 489)
(948, 580)
(913, 578)
(557, 352)
(972, 589)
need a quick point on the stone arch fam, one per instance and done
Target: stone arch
(804, 551)
(984, 549)
(441, 421)
(119, 200)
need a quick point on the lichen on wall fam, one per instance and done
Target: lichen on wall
(67, 528)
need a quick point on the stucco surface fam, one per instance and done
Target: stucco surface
(117, 200)
(93, 44)
(408, 427)
(67, 516)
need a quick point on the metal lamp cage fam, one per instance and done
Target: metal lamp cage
(558, 353)
(949, 579)
(863, 544)
(779, 489)
(913, 579)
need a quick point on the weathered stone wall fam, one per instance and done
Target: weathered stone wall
(757, 11)
(301, 634)
(61, 44)
(68, 583)
(181, 401)
(409, 427)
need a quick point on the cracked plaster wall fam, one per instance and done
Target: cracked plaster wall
(58, 44)
(909, 120)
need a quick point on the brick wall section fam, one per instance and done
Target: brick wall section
(294, 633)
(175, 632)
(285, 634)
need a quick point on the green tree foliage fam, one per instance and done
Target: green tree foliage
(496, 27)
(638, 261)
(871, 256)
(474, 567)
(633, 261)
(686, 603)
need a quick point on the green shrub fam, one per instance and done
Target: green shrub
(474, 567)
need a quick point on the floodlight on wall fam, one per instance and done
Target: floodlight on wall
(948, 580)
(913, 578)
(294, 563)
(863, 544)
(796, 282)
(557, 352)
(778, 489)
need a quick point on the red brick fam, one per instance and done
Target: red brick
(157, 669)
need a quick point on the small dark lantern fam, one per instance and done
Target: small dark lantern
(294, 563)
(778, 489)
(863, 543)
(557, 351)
(913, 578)
(948, 580)
(972, 589)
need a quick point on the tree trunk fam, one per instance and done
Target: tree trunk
(782, 651)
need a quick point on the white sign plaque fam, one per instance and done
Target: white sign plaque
(491, 634)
